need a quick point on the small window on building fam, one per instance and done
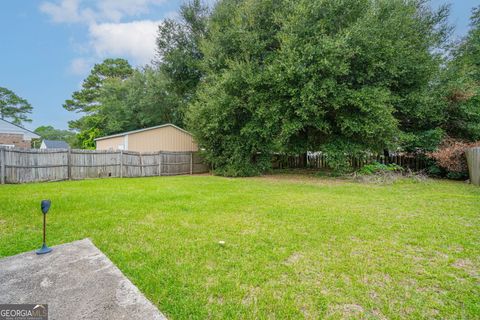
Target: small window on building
(121, 147)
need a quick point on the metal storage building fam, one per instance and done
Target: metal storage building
(165, 137)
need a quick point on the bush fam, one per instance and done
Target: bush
(386, 174)
(450, 156)
(377, 167)
(378, 173)
(338, 162)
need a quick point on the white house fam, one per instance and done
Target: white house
(12, 135)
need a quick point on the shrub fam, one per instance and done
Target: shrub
(377, 167)
(378, 173)
(338, 162)
(450, 156)
(386, 174)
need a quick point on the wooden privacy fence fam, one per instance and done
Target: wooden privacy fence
(318, 160)
(473, 161)
(33, 165)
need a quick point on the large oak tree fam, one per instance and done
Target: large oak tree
(295, 75)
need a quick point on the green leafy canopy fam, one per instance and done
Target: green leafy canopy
(290, 76)
(13, 107)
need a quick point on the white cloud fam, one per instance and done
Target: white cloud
(132, 39)
(114, 10)
(109, 35)
(80, 66)
(67, 11)
(88, 12)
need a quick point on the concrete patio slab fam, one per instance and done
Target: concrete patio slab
(77, 281)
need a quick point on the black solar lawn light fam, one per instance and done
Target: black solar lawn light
(45, 206)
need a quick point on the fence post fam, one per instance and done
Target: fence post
(121, 163)
(191, 162)
(141, 164)
(2, 165)
(69, 164)
(473, 157)
(160, 163)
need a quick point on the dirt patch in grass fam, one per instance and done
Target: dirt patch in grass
(294, 258)
(215, 300)
(346, 311)
(468, 266)
(251, 296)
(378, 315)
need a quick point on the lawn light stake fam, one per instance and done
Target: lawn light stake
(44, 206)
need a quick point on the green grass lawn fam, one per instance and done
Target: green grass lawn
(295, 247)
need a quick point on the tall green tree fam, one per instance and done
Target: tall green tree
(115, 97)
(143, 100)
(88, 100)
(179, 56)
(229, 117)
(461, 83)
(340, 76)
(13, 107)
(50, 133)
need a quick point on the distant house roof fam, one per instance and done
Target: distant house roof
(55, 144)
(144, 129)
(11, 128)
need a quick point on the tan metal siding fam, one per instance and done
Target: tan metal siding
(166, 138)
(161, 139)
(111, 143)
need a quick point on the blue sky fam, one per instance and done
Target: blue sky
(48, 47)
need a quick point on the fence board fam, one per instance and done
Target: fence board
(34, 165)
(473, 160)
(31, 166)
